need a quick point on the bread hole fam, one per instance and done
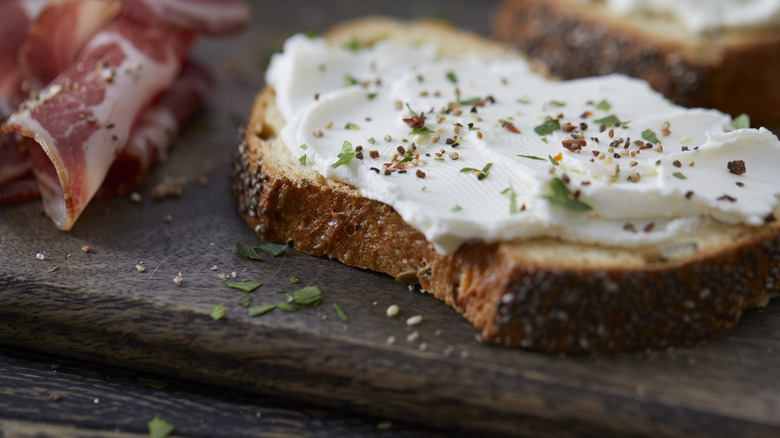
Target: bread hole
(352, 229)
(265, 131)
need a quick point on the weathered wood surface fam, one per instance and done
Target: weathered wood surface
(97, 307)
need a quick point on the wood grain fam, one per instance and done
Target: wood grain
(96, 306)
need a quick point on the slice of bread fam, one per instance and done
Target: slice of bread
(732, 70)
(541, 293)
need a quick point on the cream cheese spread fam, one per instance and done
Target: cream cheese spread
(704, 16)
(468, 148)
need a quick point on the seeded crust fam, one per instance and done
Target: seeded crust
(539, 293)
(735, 72)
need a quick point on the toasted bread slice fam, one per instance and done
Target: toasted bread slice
(541, 293)
(732, 70)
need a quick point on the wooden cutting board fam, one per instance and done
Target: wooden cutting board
(97, 306)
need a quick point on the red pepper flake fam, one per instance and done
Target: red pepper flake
(574, 145)
(511, 127)
(676, 163)
(568, 127)
(727, 198)
(420, 173)
(737, 167)
(611, 133)
(416, 122)
(373, 154)
(596, 153)
(54, 397)
(649, 227)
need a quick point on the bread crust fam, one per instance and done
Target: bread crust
(539, 293)
(734, 72)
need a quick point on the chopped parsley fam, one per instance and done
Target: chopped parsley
(308, 296)
(556, 103)
(350, 80)
(471, 101)
(340, 312)
(245, 286)
(548, 127)
(481, 174)
(345, 156)
(457, 208)
(741, 122)
(603, 105)
(451, 77)
(272, 249)
(650, 136)
(353, 44)
(261, 310)
(532, 157)
(510, 193)
(610, 120)
(372, 140)
(679, 175)
(351, 126)
(420, 131)
(553, 160)
(524, 101)
(371, 96)
(287, 307)
(248, 251)
(294, 280)
(563, 197)
(159, 428)
(245, 300)
(302, 159)
(218, 312)
(303, 146)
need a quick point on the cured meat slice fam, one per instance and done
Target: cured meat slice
(15, 19)
(156, 129)
(210, 17)
(82, 120)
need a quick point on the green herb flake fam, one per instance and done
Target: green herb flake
(470, 101)
(563, 197)
(244, 286)
(486, 169)
(548, 127)
(353, 44)
(372, 140)
(152, 383)
(532, 157)
(248, 251)
(218, 312)
(159, 428)
(741, 122)
(457, 208)
(603, 105)
(310, 34)
(345, 156)
(272, 249)
(451, 77)
(308, 296)
(556, 103)
(287, 307)
(245, 300)
(340, 312)
(468, 169)
(610, 120)
(294, 280)
(552, 160)
(303, 159)
(679, 175)
(303, 146)
(438, 159)
(350, 80)
(352, 126)
(510, 193)
(372, 96)
(524, 101)
(544, 139)
(261, 310)
(650, 136)
(420, 131)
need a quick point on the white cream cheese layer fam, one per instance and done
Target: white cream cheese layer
(704, 16)
(465, 148)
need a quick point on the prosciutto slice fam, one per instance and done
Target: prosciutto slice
(82, 120)
(210, 17)
(16, 16)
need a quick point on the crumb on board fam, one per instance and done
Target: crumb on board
(223, 277)
(390, 340)
(135, 197)
(392, 310)
(85, 248)
(203, 180)
(384, 425)
(140, 268)
(413, 336)
(414, 320)
(167, 218)
(169, 187)
(178, 279)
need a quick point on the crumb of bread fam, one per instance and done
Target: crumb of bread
(169, 187)
(390, 340)
(135, 197)
(214, 268)
(413, 336)
(203, 180)
(223, 277)
(167, 218)
(85, 248)
(423, 346)
(40, 256)
(384, 425)
(393, 310)
(140, 268)
(414, 320)
(178, 279)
